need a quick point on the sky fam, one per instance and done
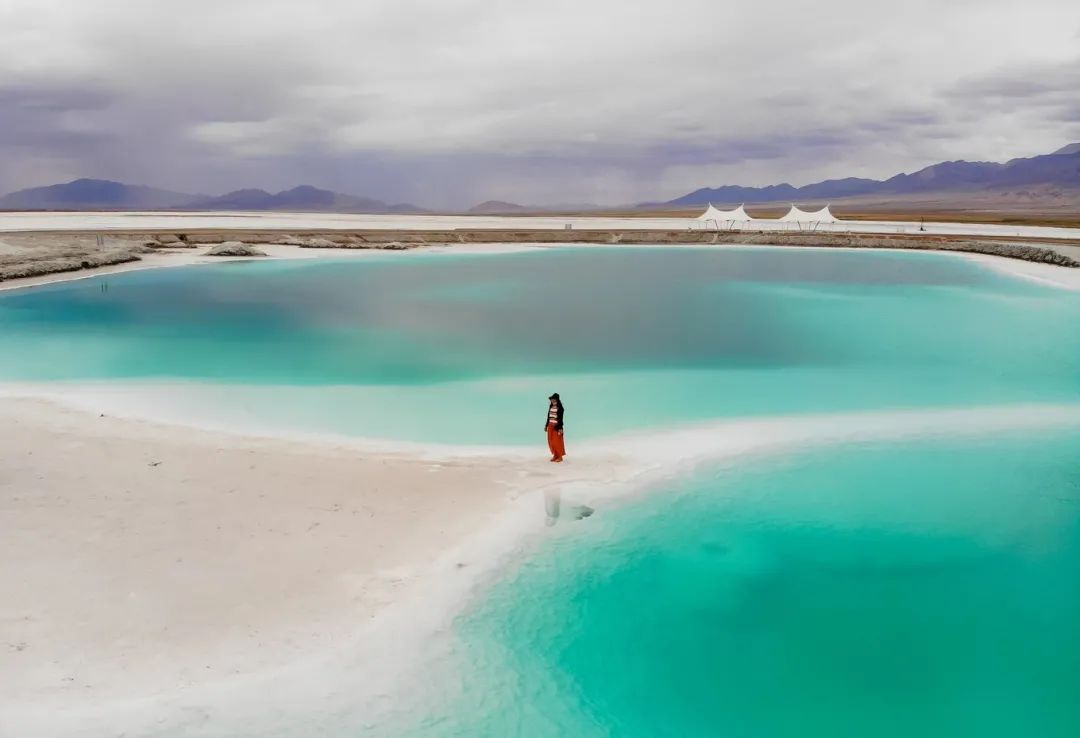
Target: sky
(446, 103)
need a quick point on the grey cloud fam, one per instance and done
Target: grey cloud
(1068, 113)
(444, 103)
(1026, 84)
(739, 150)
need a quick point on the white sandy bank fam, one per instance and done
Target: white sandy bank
(161, 579)
(155, 572)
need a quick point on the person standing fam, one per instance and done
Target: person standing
(554, 428)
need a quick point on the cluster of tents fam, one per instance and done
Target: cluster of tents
(740, 218)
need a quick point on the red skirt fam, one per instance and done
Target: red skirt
(556, 442)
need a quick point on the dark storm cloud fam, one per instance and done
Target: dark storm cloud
(23, 108)
(47, 100)
(50, 122)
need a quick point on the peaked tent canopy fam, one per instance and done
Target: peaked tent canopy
(795, 215)
(737, 215)
(825, 216)
(710, 213)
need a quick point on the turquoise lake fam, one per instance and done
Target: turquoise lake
(460, 348)
(914, 589)
(921, 587)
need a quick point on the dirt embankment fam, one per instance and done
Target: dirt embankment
(35, 255)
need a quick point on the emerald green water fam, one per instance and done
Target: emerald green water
(921, 588)
(464, 348)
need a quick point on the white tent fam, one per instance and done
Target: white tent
(810, 220)
(795, 215)
(728, 218)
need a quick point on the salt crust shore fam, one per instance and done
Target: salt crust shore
(163, 578)
(1046, 274)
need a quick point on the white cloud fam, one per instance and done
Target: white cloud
(605, 100)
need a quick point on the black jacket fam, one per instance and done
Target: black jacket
(559, 417)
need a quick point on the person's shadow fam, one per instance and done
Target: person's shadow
(554, 509)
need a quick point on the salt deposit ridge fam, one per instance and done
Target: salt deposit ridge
(125, 221)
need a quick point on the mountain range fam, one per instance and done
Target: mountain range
(100, 194)
(1061, 168)
(1035, 178)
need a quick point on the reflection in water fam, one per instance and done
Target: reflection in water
(552, 503)
(553, 508)
(456, 349)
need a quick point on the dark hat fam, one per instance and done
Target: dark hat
(554, 396)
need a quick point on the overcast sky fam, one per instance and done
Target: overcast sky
(449, 102)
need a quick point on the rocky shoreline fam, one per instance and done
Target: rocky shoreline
(26, 267)
(40, 254)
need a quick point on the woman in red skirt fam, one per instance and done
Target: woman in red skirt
(554, 428)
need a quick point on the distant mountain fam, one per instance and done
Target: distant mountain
(302, 198)
(1059, 168)
(250, 199)
(94, 194)
(501, 207)
(498, 207)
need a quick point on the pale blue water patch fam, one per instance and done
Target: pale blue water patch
(923, 588)
(464, 348)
